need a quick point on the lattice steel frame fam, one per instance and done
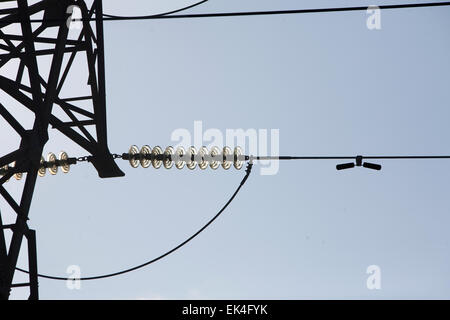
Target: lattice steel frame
(39, 97)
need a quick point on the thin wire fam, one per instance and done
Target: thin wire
(247, 174)
(281, 12)
(406, 157)
(248, 13)
(158, 14)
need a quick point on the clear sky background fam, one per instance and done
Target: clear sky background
(332, 87)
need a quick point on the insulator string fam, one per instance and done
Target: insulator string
(52, 163)
(202, 158)
(190, 158)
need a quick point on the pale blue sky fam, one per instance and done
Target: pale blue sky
(330, 86)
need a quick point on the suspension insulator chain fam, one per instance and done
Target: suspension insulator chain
(52, 163)
(156, 157)
(146, 157)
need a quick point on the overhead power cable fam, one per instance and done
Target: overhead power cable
(158, 14)
(358, 160)
(245, 13)
(109, 275)
(283, 12)
(348, 157)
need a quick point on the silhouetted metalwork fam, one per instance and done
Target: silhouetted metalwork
(80, 118)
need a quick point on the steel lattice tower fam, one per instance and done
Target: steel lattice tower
(39, 90)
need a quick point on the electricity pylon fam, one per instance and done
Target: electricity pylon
(41, 90)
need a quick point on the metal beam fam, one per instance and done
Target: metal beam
(32, 265)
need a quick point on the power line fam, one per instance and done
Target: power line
(158, 14)
(358, 159)
(284, 12)
(241, 14)
(404, 157)
(109, 275)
